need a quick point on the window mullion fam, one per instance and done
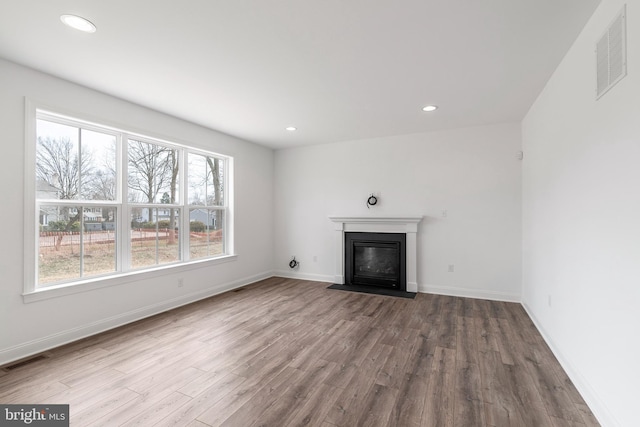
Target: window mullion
(81, 232)
(184, 210)
(79, 195)
(124, 214)
(228, 225)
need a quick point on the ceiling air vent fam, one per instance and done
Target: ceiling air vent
(611, 54)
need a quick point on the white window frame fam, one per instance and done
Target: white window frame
(123, 273)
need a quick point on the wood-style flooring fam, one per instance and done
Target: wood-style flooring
(285, 352)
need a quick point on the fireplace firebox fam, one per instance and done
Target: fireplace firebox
(376, 259)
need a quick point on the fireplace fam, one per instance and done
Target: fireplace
(376, 259)
(407, 226)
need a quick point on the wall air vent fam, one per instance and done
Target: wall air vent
(611, 54)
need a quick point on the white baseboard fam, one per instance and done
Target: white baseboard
(600, 411)
(304, 276)
(469, 293)
(29, 348)
(456, 292)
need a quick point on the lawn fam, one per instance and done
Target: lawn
(99, 253)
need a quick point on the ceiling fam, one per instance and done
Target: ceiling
(337, 70)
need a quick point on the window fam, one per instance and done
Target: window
(206, 206)
(152, 189)
(108, 202)
(75, 193)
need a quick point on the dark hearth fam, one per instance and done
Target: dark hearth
(376, 290)
(376, 259)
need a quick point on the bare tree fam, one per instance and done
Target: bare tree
(103, 182)
(103, 186)
(151, 168)
(58, 164)
(61, 166)
(214, 169)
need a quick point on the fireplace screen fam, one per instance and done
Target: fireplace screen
(375, 259)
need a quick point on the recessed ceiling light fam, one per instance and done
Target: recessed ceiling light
(78, 23)
(430, 108)
(290, 128)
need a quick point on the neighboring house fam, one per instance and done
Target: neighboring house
(161, 214)
(44, 190)
(203, 216)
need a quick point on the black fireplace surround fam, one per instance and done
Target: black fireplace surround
(376, 259)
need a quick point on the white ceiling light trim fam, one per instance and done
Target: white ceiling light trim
(429, 108)
(291, 128)
(78, 23)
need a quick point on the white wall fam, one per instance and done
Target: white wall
(29, 328)
(472, 174)
(581, 221)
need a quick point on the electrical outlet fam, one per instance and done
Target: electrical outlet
(450, 268)
(549, 300)
(180, 282)
(444, 214)
(315, 258)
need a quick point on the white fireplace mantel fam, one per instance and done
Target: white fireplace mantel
(407, 225)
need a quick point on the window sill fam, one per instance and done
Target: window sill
(120, 279)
